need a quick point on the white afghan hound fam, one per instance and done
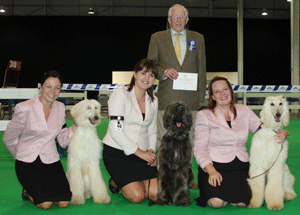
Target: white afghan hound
(270, 177)
(84, 153)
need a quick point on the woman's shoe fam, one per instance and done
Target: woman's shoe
(114, 190)
(25, 195)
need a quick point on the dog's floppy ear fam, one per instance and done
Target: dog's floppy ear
(265, 111)
(189, 117)
(286, 113)
(286, 119)
(167, 118)
(75, 110)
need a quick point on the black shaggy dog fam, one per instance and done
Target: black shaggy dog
(175, 173)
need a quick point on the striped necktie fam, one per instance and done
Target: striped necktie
(178, 48)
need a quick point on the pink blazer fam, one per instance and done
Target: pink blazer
(216, 141)
(29, 135)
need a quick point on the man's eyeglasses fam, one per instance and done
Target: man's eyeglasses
(178, 17)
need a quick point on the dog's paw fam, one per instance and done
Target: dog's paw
(162, 202)
(255, 203)
(183, 202)
(275, 207)
(288, 196)
(102, 199)
(77, 200)
(253, 206)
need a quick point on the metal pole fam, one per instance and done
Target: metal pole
(45, 5)
(240, 31)
(210, 8)
(295, 45)
(295, 42)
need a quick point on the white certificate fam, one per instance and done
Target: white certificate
(186, 81)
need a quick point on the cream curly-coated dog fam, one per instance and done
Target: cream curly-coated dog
(84, 155)
(275, 186)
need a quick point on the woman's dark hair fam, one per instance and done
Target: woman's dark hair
(150, 67)
(53, 74)
(212, 103)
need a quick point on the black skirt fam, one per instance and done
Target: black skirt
(126, 169)
(234, 187)
(44, 182)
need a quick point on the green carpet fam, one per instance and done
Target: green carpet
(11, 202)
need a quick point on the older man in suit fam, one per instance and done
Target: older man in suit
(178, 50)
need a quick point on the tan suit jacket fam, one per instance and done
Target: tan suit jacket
(161, 51)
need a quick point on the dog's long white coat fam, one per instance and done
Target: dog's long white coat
(276, 186)
(84, 154)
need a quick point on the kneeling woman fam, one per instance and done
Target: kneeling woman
(130, 142)
(221, 133)
(30, 137)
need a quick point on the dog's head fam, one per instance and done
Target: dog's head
(178, 117)
(87, 113)
(275, 112)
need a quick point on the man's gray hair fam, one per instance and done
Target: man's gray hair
(178, 5)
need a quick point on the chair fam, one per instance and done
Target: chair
(12, 74)
(11, 79)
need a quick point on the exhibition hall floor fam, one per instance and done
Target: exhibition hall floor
(12, 203)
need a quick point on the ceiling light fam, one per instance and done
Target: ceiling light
(289, 0)
(2, 10)
(264, 13)
(91, 11)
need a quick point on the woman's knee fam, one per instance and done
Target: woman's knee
(239, 204)
(133, 193)
(45, 205)
(216, 203)
(135, 197)
(62, 204)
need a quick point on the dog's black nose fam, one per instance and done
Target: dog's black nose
(278, 114)
(96, 117)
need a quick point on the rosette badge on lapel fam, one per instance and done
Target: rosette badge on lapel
(192, 45)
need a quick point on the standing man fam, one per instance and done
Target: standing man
(178, 50)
